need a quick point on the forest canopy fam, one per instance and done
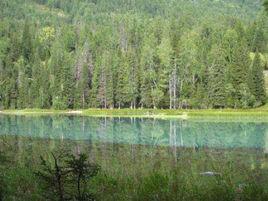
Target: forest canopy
(132, 53)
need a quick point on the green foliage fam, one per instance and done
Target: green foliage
(265, 4)
(67, 176)
(253, 191)
(154, 187)
(111, 54)
(257, 84)
(82, 172)
(216, 78)
(160, 177)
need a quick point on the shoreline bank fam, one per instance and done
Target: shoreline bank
(153, 113)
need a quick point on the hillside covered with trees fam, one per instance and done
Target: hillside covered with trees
(132, 53)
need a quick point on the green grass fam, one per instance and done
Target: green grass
(154, 113)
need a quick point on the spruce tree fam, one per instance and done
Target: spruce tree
(82, 89)
(258, 85)
(148, 68)
(67, 82)
(237, 57)
(167, 71)
(93, 99)
(102, 93)
(26, 43)
(36, 82)
(216, 80)
(44, 91)
(23, 84)
(83, 77)
(123, 88)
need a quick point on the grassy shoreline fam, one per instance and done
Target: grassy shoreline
(153, 113)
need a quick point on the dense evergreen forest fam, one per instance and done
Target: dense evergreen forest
(132, 53)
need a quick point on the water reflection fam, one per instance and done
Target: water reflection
(129, 147)
(174, 132)
(136, 146)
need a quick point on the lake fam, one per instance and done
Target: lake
(132, 148)
(195, 133)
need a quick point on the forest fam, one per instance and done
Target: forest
(132, 54)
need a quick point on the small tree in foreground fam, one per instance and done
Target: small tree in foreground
(81, 172)
(67, 177)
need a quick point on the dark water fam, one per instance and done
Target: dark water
(140, 131)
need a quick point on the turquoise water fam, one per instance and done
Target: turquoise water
(145, 131)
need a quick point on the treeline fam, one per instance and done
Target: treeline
(92, 54)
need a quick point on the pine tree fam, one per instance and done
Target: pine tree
(123, 88)
(257, 85)
(237, 57)
(22, 84)
(67, 82)
(83, 77)
(9, 84)
(167, 72)
(148, 74)
(93, 100)
(36, 82)
(82, 89)
(110, 85)
(44, 90)
(134, 78)
(102, 92)
(26, 43)
(216, 80)
(240, 71)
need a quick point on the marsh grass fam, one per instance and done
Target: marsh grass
(142, 173)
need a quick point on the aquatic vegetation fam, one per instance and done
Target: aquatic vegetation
(153, 173)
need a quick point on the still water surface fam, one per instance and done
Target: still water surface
(136, 147)
(195, 133)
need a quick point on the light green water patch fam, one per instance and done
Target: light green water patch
(194, 133)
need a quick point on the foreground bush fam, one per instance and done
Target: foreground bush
(63, 177)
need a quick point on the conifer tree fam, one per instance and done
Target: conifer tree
(36, 83)
(44, 91)
(102, 93)
(56, 66)
(237, 57)
(67, 82)
(83, 77)
(110, 85)
(23, 84)
(134, 78)
(216, 80)
(168, 71)
(148, 67)
(257, 85)
(123, 88)
(93, 100)
(26, 43)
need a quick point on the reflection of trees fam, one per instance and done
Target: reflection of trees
(266, 142)
(134, 131)
(173, 138)
(147, 157)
